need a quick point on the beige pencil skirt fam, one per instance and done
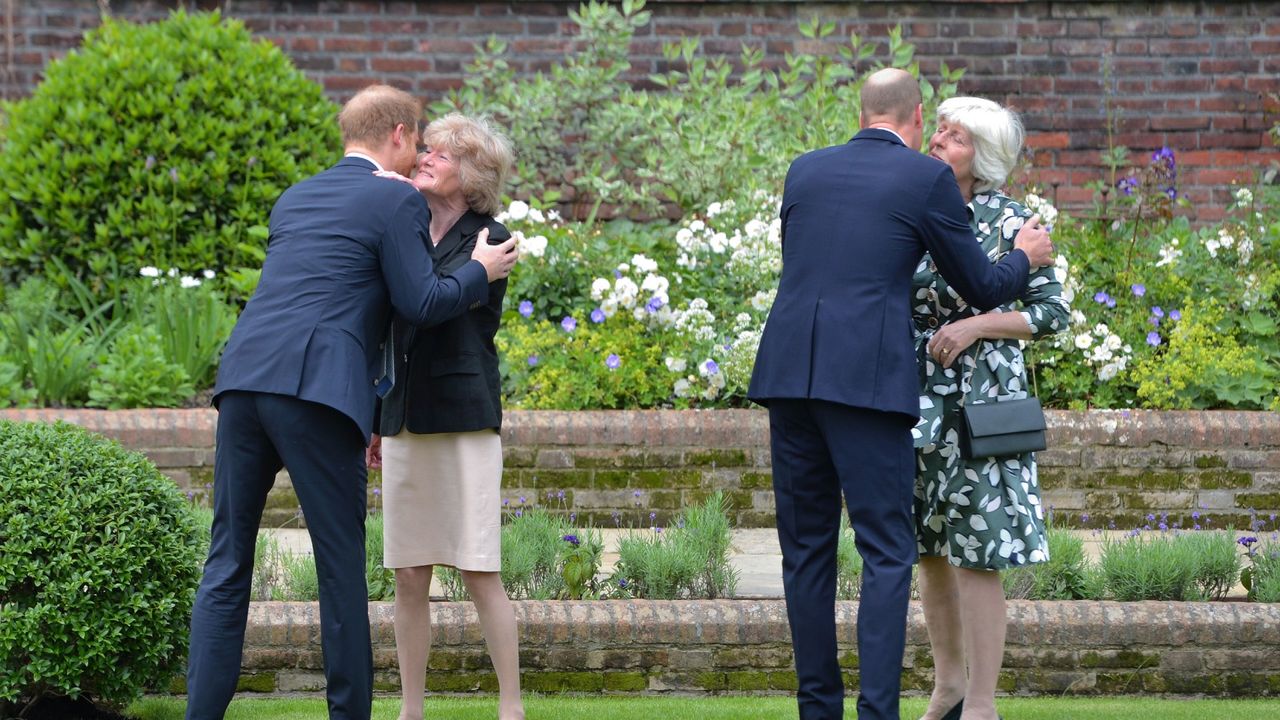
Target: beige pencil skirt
(442, 506)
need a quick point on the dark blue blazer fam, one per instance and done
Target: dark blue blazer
(345, 249)
(856, 219)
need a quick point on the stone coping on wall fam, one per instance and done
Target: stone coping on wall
(1197, 429)
(654, 646)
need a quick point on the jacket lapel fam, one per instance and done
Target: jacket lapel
(456, 242)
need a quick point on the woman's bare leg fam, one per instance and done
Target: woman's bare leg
(498, 623)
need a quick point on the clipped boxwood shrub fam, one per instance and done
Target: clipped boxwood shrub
(99, 562)
(156, 145)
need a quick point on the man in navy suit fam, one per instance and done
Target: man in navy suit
(837, 372)
(296, 384)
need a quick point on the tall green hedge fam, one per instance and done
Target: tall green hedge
(156, 145)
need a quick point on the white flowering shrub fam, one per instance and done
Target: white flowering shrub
(1166, 315)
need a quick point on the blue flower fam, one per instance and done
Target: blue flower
(568, 323)
(533, 360)
(151, 162)
(712, 367)
(1157, 311)
(1138, 289)
(1247, 541)
(1174, 315)
(1154, 320)
(597, 316)
(1127, 184)
(572, 540)
(526, 308)
(617, 274)
(1153, 338)
(1111, 302)
(612, 362)
(1084, 517)
(654, 304)
(1101, 297)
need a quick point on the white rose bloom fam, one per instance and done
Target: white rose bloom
(599, 287)
(534, 246)
(536, 215)
(684, 236)
(519, 210)
(1108, 371)
(655, 284)
(553, 215)
(189, 282)
(681, 388)
(609, 306)
(150, 272)
(675, 364)
(208, 274)
(697, 226)
(714, 209)
(644, 264)
(638, 314)
(1084, 340)
(1114, 342)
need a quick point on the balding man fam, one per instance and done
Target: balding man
(837, 371)
(296, 384)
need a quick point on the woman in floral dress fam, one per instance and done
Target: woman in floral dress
(974, 517)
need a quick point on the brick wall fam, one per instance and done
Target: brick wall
(690, 646)
(1116, 466)
(1196, 76)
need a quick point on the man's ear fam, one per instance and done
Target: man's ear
(397, 135)
(917, 118)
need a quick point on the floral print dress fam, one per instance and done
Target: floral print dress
(984, 513)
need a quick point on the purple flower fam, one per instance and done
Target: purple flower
(1084, 517)
(506, 502)
(1173, 194)
(377, 492)
(173, 174)
(622, 583)
(1101, 298)
(653, 516)
(1138, 289)
(654, 304)
(617, 274)
(1154, 320)
(520, 513)
(1157, 311)
(1127, 184)
(151, 162)
(572, 540)
(1174, 315)
(1195, 515)
(1153, 338)
(658, 530)
(1247, 541)
(712, 367)
(526, 308)
(533, 360)
(612, 362)
(568, 323)
(597, 316)
(1164, 154)
(521, 499)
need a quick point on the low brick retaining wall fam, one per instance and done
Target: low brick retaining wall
(1115, 466)
(652, 646)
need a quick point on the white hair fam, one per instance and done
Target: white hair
(997, 137)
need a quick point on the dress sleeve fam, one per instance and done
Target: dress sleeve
(1043, 306)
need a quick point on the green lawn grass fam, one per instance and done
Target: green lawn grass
(727, 708)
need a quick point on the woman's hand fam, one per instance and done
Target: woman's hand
(392, 175)
(953, 339)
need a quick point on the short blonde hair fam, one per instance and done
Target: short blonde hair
(997, 137)
(483, 155)
(372, 115)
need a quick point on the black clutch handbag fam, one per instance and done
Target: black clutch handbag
(997, 429)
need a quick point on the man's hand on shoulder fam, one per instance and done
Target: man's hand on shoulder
(496, 259)
(1033, 239)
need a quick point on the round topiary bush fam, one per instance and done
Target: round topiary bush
(156, 145)
(99, 562)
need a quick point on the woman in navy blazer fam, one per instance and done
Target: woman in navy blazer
(442, 455)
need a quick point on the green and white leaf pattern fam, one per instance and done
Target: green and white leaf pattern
(984, 513)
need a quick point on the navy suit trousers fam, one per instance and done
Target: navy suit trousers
(821, 450)
(323, 449)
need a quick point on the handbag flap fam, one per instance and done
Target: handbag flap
(1002, 418)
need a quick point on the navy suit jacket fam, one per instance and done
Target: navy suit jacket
(856, 219)
(345, 249)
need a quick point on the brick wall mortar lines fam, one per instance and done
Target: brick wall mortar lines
(678, 645)
(1050, 68)
(1115, 466)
